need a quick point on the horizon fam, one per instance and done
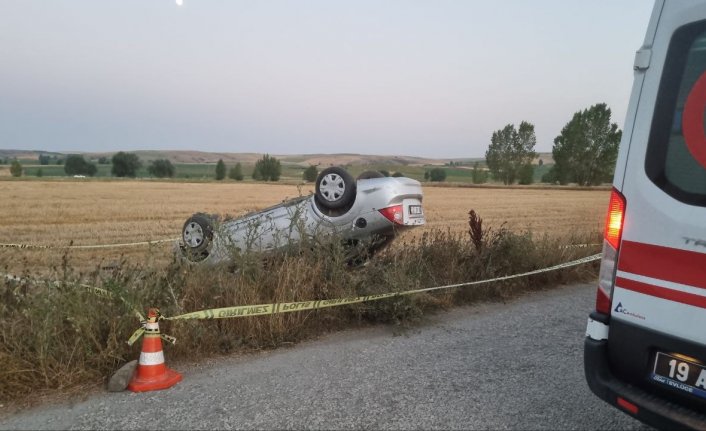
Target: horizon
(401, 77)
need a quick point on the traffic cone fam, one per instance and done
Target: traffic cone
(152, 374)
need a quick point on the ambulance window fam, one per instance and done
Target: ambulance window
(676, 152)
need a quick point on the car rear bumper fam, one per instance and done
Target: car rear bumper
(652, 409)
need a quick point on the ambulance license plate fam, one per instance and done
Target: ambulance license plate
(680, 373)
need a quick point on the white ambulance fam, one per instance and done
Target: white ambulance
(645, 349)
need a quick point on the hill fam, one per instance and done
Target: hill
(201, 157)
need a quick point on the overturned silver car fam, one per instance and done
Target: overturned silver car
(371, 209)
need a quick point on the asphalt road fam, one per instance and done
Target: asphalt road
(496, 366)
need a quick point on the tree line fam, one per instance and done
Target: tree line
(124, 164)
(584, 152)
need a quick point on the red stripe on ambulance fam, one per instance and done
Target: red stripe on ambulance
(661, 292)
(664, 263)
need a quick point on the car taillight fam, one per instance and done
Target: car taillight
(611, 245)
(394, 214)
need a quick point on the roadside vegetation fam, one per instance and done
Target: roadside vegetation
(55, 336)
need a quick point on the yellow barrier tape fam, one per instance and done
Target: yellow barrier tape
(127, 244)
(287, 307)
(135, 336)
(168, 338)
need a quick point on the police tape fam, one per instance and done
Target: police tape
(287, 307)
(127, 244)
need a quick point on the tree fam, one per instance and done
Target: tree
(426, 175)
(398, 174)
(75, 164)
(310, 174)
(437, 175)
(526, 174)
(385, 173)
(587, 148)
(125, 164)
(161, 168)
(509, 150)
(16, 169)
(220, 170)
(103, 160)
(40, 173)
(236, 172)
(478, 175)
(44, 159)
(268, 168)
(256, 173)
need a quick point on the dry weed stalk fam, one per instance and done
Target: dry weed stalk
(476, 230)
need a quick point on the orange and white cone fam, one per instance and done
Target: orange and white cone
(152, 374)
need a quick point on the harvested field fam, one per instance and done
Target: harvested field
(59, 213)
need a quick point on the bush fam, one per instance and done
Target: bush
(550, 177)
(437, 175)
(236, 172)
(125, 164)
(76, 165)
(398, 174)
(310, 174)
(267, 168)
(16, 169)
(161, 168)
(385, 172)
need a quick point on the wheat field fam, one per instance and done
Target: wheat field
(61, 213)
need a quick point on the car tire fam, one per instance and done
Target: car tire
(369, 175)
(335, 188)
(197, 235)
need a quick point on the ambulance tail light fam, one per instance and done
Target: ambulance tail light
(611, 246)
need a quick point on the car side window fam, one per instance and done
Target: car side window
(676, 152)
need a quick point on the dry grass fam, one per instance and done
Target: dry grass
(59, 213)
(57, 336)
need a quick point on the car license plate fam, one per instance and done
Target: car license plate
(680, 373)
(415, 210)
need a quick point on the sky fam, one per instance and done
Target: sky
(406, 77)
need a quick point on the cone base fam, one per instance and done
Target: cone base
(164, 381)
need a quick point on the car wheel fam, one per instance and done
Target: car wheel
(335, 188)
(370, 174)
(197, 235)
